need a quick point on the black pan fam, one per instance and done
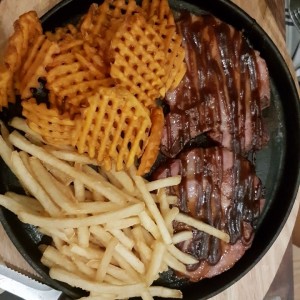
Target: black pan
(278, 164)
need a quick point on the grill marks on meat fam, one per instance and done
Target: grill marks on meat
(225, 88)
(219, 188)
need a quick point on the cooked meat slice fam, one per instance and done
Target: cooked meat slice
(225, 88)
(219, 188)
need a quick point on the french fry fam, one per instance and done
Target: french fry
(79, 189)
(72, 156)
(164, 205)
(155, 262)
(47, 181)
(20, 124)
(57, 233)
(121, 224)
(31, 203)
(105, 261)
(20, 142)
(73, 222)
(83, 234)
(32, 185)
(123, 238)
(170, 217)
(182, 236)
(149, 224)
(174, 263)
(104, 238)
(59, 259)
(5, 153)
(162, 183)
(5, 133)
(97, 207)
(159, 291)
(124, 179)
(14, 206)
(152, 207)
(181, 256)
(146, 295)
(77, 281)
(203, 227)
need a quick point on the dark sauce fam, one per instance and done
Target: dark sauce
(220, 91)
(200, 194)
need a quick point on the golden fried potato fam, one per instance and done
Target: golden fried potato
(55, 128)
(138, 57)
(153, 144)
(114, 128)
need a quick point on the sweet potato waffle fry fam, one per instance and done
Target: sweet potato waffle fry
(161, 18)
(153, 145)
(137, 59)
(114, 128)
(54, 128)
(68, 32)
(118, 49)
(26, 29)
(159, 8)
(75, 74)
(34, 67)
(7, 93)
(104, 20)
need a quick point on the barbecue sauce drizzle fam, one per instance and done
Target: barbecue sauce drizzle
(220, 90)
(222, 78)
(240, 216)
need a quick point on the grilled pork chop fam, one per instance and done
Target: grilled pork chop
(220, 188)
(225, 88)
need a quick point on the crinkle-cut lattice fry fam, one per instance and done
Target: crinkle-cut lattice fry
(151, 151)
(114, 128)
(74, 76)
(68, 32)
(103, 21)
(39, 56)
(26, 29)
(138, 56)
(159, 8)
(72, 98)
(55, 128)
(175, 66)
(7, 93)
(160, 16)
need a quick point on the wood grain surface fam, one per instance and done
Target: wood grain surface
(296, 253)
(269, 14)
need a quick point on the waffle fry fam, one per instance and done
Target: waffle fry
(107, 96)
(55, 128)
(26, 29)
(159, 8)
(33, 68)
(61, 34)
(104, 20)
(161, 18)
(138, 56)
(74, 75)
(6, 87)
(151, 151)
(113, 129)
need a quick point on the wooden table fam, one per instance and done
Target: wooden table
(255, 284)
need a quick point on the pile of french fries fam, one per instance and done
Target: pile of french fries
(112, 232)
(109, 237)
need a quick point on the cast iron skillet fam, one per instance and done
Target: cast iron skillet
(278, 164)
